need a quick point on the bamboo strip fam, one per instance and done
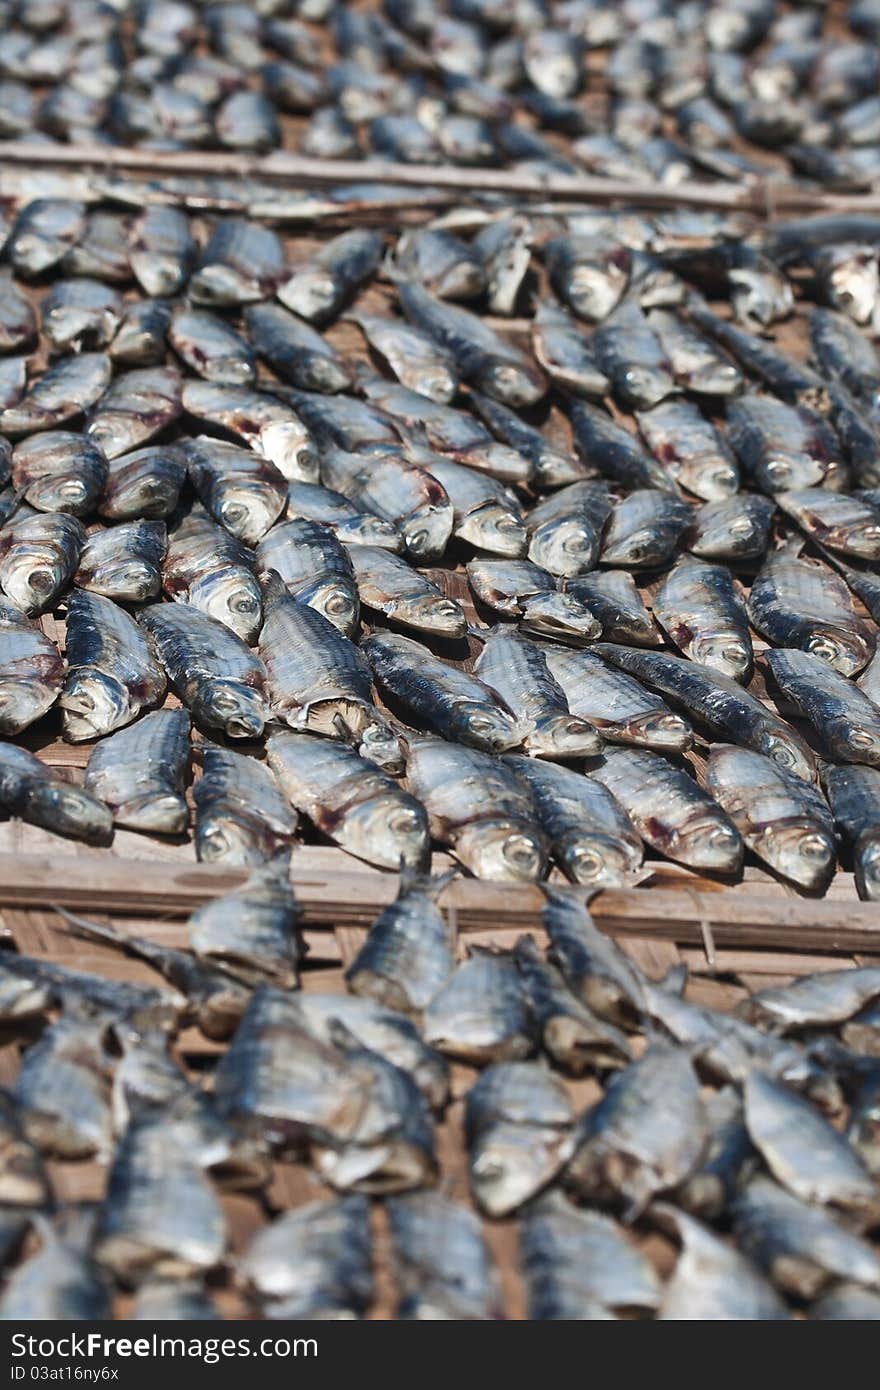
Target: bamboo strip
(763, 197)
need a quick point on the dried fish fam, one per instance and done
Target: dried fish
(31, 670)
(846, 721)
(315, 568)
(242, 491)
(140, 772)
(135, 407)
(518, 1126)
(408, 954)
(59, 472)
(578, 1264)
(614, 703)
(114, 671)
(702, 612)
(800, 603)
(518, 671)
(124, 562)
(208, 568)
(39, 795)
(253, 931)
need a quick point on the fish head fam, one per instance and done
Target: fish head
(60, 493)
(866, 857)
(645, 385)
(228, 837)
(228, 705)
(512, 1162)
(134, 581)
(233, 599)
(220, 285)
(859, 743)
(68, 810)
(291, 450)
(502, 849)
(387, 829)
(152, 496)
(93, 704)
(484, 725)
(380, 744)
(513, 384)
(337, 602)
(248, 513)
(434, 381)
(788, 754)
(439, 615)
(598, 861)
(564, 545)
(713, 843)
(846, 651)
(801, 851)
(660, 729)
(786, 472)
(594, 291)
(427, 530)
(638, 548)
(311, 293)
(723, 652)
(715, 379)
(369, 530)
(564, 736)
(855, 284)
(559, 615)
(495, 528)
(22, 701)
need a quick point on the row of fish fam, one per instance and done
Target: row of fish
(769, 1198)
(683, 89)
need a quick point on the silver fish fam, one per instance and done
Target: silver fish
(59, 471)
(854, 796)
(614, 451)
(578, 1264)
(242, 262)
(846, 721)
(140, 772)
(38, 555)
(643, 529)
(689, 446)
(60, 1280)
(782, 818)
(63, 1088)
(319, 289)
(670, 811)
(518, 1126)
(781, 447)
(315, 568)
(592, 838)
(418, 362)
(253, 931)
(403, 495)
(565, 529)
(241, 816)
(552, 466)
(161, 1217)
(161, 250)
(595, 969)
(219, 679)
(645, 1136)
(800, 1246)
(615, 704)
(702, 612)
(736, 529)
(408, 598)
(453, 703)
(102, 249)
(698, 365)
(318, 679)
(294, 350)
(718, 702)
(518, 671)
(591, 274)
(66, 390)
(80, 314)
(31, 670)
(113, 672)
(505, 248)
(409, 952)
(18, 320)
(143, 484)
(39, 795)
(207, 567)
(480, 1014)
(712, 1279)
(574, 1037)
(482, 357)
(728, 1159)
(136, 406)
(441, 1263)
(485, 513)
(350, 525)
(847, 525)
(616, 604)
(211, 348)
(521, 590)
(124, 562)
(440, 262)
(801, 1149)
(350, 799)
(314, 1262)
(139, 340)
(23, 1178)
(632, 357)
(245, 493)
(44, 232)
(565, 353)
(479, 808)
(799, 603)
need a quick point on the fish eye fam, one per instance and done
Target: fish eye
(588, 863)
(404, 821)
(813, 847)
(861, 738)
(520, 852)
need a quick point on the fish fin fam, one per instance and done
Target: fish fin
(88, 930)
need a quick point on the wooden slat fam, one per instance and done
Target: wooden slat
(355, 896)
